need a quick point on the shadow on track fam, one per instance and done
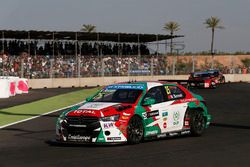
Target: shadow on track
(230, 126)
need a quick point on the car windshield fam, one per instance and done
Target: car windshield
(204, 75)
(117, 95)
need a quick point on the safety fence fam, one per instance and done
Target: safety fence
(34, 67)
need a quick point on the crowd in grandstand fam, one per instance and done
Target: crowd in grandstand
(44, 67)
(68, 48)
(112, 60)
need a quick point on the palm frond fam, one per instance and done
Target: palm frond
(88, 28)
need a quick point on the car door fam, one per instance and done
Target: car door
(175, 107)
(153, 117)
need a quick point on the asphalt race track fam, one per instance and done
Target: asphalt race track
(225, 143)
(33, 95)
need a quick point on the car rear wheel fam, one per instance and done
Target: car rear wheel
(197, 123)
(135, 130)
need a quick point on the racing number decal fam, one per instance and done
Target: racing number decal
(167, 90)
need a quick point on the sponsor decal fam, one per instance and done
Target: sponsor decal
(176, 117)
(167, 90)
(114, 138)
(177, 95)
(126, 114)
(78, 137)
(185, 132)
(101, 139)
(186, 123)
(188, 100)
(108, 125)
(152, 113)
(162, 135)
(151, 133)
(84, 112)
(164, 114)
(94, 105)
(124, 117)
(164, 125)
(206, 85)
(127, 86)
(173, 134)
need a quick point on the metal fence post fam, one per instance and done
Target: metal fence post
(102, 71)
(79, 67)
(193, 64)
(173, 64)
(129, 68)
(152, 66)
(22, 68)
(51, 68)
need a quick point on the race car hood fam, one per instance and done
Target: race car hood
(99, 109)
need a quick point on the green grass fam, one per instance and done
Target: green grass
(20, 112)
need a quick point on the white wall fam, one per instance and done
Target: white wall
(94, 81)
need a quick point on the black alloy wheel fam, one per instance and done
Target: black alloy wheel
(135, 130)
(197, 123)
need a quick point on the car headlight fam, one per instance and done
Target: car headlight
(61, 118)
(110, 118)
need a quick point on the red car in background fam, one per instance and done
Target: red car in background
(202, 80)
(206, 79)
(217, 75)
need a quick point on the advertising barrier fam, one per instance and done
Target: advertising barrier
(10, 86)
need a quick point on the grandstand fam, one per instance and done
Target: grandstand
(49, 54)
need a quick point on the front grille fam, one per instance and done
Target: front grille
(86, 122)
(81, 126)
(74, 131)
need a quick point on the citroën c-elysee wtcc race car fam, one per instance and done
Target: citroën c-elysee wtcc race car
(133, 112)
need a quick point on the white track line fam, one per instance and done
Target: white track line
(24, 120)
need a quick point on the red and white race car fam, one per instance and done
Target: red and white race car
(202, 80)
(133, 112)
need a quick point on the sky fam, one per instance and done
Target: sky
(136, 16)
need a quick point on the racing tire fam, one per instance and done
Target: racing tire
(135, 130)
(213, 85)
(197, 123)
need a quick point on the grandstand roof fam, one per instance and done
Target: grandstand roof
(84, 36)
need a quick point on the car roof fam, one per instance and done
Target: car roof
(146, 84)
(203, 72)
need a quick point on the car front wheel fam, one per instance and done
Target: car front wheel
(135, 130)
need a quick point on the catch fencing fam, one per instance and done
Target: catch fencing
(34, 67)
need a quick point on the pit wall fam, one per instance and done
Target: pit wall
(94, 81)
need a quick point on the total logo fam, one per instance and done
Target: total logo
(84, 112)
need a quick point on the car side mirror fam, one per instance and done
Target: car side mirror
(148, 101)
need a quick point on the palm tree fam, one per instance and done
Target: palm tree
(213, 23)
(172, 27)
(88, 28)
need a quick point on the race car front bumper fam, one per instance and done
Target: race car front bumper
(88, 130)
